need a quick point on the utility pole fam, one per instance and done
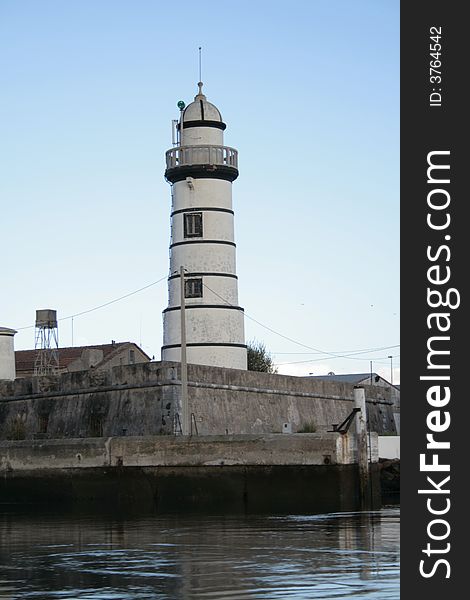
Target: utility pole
(185, 421)
(391, 369)
(361, 440)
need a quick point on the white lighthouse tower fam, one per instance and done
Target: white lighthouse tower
(201, 170)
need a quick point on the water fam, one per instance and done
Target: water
(96, 557)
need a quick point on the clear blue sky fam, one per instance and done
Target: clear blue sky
(309, 90)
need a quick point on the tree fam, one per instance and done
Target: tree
(259, 359)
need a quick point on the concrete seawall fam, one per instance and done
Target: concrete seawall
(278, 473)
(169, 451)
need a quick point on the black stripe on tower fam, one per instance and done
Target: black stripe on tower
(201, 208)
(227, 243)
(228, 344)
(204, 123)
(177, 275)
(190, 306)
(206, 171)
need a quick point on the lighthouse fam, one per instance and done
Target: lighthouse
(202, 279)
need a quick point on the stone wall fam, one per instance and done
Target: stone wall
(143, 399)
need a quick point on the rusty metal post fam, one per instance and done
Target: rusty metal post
(361, 440)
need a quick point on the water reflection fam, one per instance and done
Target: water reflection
(343, 555)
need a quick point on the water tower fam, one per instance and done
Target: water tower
(46, 360)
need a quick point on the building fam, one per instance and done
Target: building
(81, 358)
(201, 170)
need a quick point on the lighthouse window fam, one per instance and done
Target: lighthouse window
(193, 288)
(193, 224)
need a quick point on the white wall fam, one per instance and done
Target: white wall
(202, 136)
(217, 288)
(215, 225)
(213, 356)
(204, 325)
(389, 446)
(205, 192)
(7, 353)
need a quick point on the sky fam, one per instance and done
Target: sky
(309, 90)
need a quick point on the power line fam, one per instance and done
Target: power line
(332, 354)
(341, 351)
(317, 350)
(84, 312)
(298, 362)
(349, 355)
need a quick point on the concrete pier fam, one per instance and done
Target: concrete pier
(300, 473)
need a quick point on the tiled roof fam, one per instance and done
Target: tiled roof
(25, 358)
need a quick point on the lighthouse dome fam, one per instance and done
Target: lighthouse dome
(202, 110)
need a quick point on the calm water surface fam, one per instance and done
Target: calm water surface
(340, 555)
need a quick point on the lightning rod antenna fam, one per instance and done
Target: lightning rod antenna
(200, 64)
